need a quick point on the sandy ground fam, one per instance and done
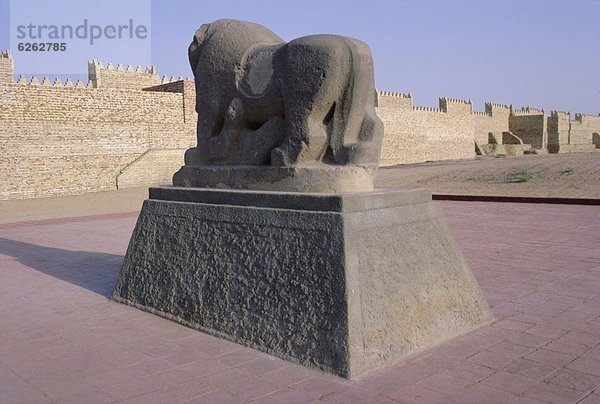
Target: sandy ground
(568, 176)
(563, 175)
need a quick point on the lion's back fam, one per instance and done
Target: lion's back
(226, 41)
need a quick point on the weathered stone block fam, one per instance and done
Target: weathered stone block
(341, 282)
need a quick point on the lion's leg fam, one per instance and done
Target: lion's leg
(223, 146)
(305, 141)
(306, 136)
(367, 148)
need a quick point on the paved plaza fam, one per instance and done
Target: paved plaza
(62, 340)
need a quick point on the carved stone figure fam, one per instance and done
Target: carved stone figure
(342, 281)
(262, 102)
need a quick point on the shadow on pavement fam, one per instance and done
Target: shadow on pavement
(94, 271)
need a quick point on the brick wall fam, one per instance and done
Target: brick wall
(389, 99)
(6, 67)
(493, 121)
(58, 140)
(558, 131)
(188, 89)
(122, 77)
(583, 128)
(154, 167)
(129, 127)
(531, 126)
(456, 106)
(559, 127)
(417, 134)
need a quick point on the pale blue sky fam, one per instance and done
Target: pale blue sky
(541, 53)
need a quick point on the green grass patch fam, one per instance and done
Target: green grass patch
(522, 176)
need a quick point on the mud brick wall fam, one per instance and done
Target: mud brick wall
(531, 126)
(122, 77)
(188, 89)
(558, 126)
(6, 67)
(584, 127)
(493, 121)
(130, 127)
(58, 140)
(417, 134)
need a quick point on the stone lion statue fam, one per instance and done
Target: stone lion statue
(264, 102)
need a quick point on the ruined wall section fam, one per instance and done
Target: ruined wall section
(573, 136)
(559, 127)
(60, 139)
(493, 122)
(530, 125)
(584, 135)
(492, 132)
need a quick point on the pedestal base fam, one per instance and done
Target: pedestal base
(345, 283)
(318, 178)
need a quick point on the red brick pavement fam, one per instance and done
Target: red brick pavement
(62, 340)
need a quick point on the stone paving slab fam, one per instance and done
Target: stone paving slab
(62, 340)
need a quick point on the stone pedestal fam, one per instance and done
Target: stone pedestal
(345, 283)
